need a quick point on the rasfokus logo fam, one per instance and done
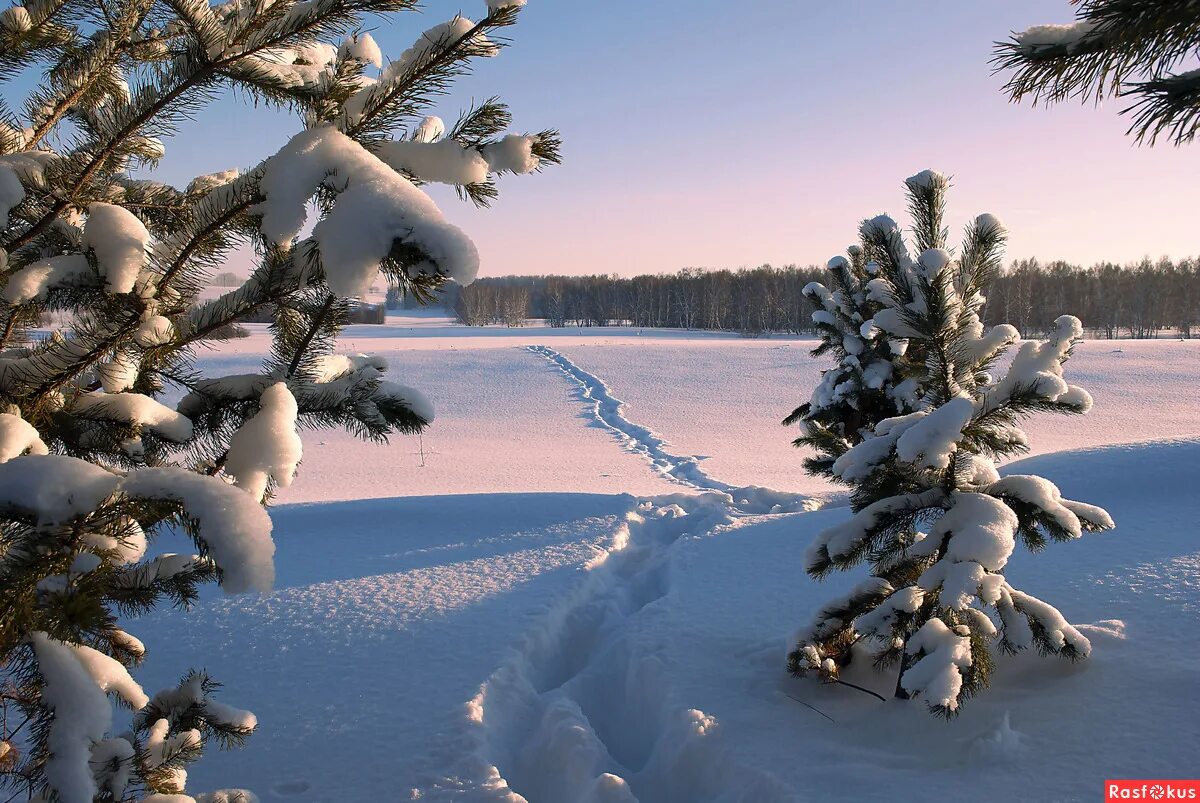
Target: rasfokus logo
(1152, 790)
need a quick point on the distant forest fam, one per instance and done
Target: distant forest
(1143, 300)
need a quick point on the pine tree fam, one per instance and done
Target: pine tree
(93, 464)
(1115, 48)
(931, 515)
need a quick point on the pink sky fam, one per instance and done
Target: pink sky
(780, 162)
(704, 133)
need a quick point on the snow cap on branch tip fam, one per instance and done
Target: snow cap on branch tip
(34, 281)
(53, 488)
(119, 373)
(892, 320)
(361, 48)
(110, 675)
(437, 37)
(431, 129)
(233, 526)
(1056, 630)
(136, 409)
(414, 399)
(937, 675)
(989, 223)
(934, 260)
(513, 153)
(837, 263)
(981, 528)
(115, 756)
(127, 545)
(154, 330)
(161, 745)
(928, 179)
(1067, 327)
(1068, 36)
(975, 470)
(878, 290)
(880, 225)
(266, 447)
(329, 367)
(201, 185)
(18, 436)
(1040, 493)
(932, 440)
(444, 161)
(496, 5)
(82, 717)
(374, 208)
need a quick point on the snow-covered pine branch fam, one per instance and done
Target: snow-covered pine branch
(931, 514)
(94, 464)
(1114, 48)
(861, 388)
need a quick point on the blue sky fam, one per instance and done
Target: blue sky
(726, 134)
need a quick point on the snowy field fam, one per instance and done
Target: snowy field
(601, 609)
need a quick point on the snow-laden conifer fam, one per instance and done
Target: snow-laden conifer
(932, 517)
(95, 462)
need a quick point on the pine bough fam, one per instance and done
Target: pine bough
(93, 464)
(1120, 49)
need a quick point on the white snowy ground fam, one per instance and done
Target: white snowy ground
(541, 633)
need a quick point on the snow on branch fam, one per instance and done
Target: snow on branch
(937, 674)
(17, 437)
(375, 208)
(231, 524)
(266, 448)
(119, 240)
(82, 717)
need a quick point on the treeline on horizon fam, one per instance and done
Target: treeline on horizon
(1140, 300)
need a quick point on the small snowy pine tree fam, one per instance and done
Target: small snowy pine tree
(932, 516)
(93, 464)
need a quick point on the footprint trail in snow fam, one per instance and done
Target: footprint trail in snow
(609, 412)
(582, 709)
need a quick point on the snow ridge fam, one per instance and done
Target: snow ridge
(608, 412)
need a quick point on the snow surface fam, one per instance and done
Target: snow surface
(725, 398)
(540, 633)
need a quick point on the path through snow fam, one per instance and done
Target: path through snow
(581, 710)
(609, 413)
